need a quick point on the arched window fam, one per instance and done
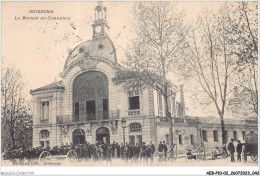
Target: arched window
(135, 127)
(78, 132)
(78, 136)
(89, 90)
(44, 133)
(102, 130)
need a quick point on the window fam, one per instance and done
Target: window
(226, 135)
(180, 139)
(135, 127)
(132, 140)
(105, 109)
(47, 143)
(44, 133)
(204, 136)
(139, 139)
(42, 144)
(235, 135)
(91, 110)
(134, 101)
(45, 110)
(215, 134)
(176, 109)
(191, 140)
(252, 132)
(243, 135)
(160, 101)
(102, 130)
(76, 109)
(167, 138)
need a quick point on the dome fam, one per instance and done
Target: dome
(102, 47)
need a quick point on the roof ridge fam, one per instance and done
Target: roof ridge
(51, 86)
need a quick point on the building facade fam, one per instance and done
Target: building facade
(86, 105)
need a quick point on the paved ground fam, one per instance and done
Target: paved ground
(119, 162)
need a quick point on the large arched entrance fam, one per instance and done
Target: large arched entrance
(78, 136)
(103, 134)
(90, 96)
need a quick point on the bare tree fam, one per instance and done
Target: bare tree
(211, 60)
(155, 51)
(16, 123)
(246, 38)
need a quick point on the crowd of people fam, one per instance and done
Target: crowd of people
(241, 148)
(92, 152)
(103, 151)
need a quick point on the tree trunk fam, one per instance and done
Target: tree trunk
(224, 140)
(169, 119)
(13, 141)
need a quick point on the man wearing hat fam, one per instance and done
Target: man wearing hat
(239, 150)
(108, 154)
(165, 149)
(231, 149)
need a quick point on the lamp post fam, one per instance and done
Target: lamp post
(123, 123)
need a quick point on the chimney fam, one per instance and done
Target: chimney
(182, 103)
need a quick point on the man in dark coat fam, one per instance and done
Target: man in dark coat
(149, 154)
(84, 152)
(78, 150)
(33, 153)
(109, 154)
(94, 153)
(66, 149)
(143, 152)
(52, 151)
(113, 148)
(160, 149)
(131, 152)
(239, 150)
(245, 150)
(231, 149)
(165, 150)
(136, 152)
(152, 147)
(104, 148)
(118, 150)
(153, 150)
(127, 151)
(57, 150)
(123, 151)
(62, 149)
(37, 152)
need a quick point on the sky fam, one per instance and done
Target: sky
(39, 48)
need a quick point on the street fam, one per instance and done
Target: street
(119, 162)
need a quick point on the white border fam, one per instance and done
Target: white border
(102, 170)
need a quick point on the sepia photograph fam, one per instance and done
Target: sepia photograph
(130, 83)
